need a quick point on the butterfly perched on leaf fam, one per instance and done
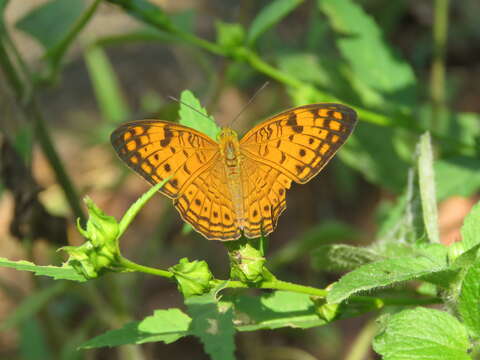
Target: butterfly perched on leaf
(228, 187)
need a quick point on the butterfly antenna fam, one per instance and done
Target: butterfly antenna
(249, 102)
(187, 105)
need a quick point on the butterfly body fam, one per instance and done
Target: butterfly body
(232, 186)
(231, 155)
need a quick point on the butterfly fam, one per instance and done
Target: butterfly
(231, 186)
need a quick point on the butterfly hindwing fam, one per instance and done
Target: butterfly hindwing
(264, 197)
(207, 205)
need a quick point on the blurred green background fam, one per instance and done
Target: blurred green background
(72, 70)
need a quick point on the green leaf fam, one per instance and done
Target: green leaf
(193, 278)
(33, 343)
(324, 72)
(469, 301)
(273, 311)
(49, 22)
(462, 129)
(212, 323)
(271, 14)
(106, 87)
(426, 179)
(27, 309)
(362, 44)
(193, 118)
(146, 12)
(471, 228)
(58, 273)
(384, 273)
(422, 334)
(164, 325)
(457, 176)
(371, 151)
(325, 233)
(461, 259)
(342, 257)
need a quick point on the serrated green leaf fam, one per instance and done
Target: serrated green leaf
(106, 86)
(49, 22)
(426, 179)
(342, 257)
(58, 273)
(213, 325)
(461, 259)
(273, 311)
(164, 325)
(384, 273)
(362, 45)
(191, 118)
(422, 334)
(471, 228)
(27, 309)
(271, 14)
(469, 301)
(457, 176)
(403, 223)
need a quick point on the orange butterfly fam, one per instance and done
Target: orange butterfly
(228, 187)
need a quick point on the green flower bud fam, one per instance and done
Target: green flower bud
(193, 278)
(246, 262)
(100, 252)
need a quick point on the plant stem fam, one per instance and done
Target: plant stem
(362, 344)
(437, 74)
(57, 52)
(137, 206)
(145, 269)
(51, 153)
(287, 286)
(33, 113)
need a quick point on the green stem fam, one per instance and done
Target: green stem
(287, 286)
(437, 75)
(137, 206)
(202, 43)
(145, 269)
(60, 49)
(31, 109)
(9, 70)
(362, 344)
(51, 153)
(265, 68)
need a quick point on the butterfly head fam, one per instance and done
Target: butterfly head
(229, 145)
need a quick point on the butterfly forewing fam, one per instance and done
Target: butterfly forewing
(158, 149)
(294, 145)
(299, 142)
